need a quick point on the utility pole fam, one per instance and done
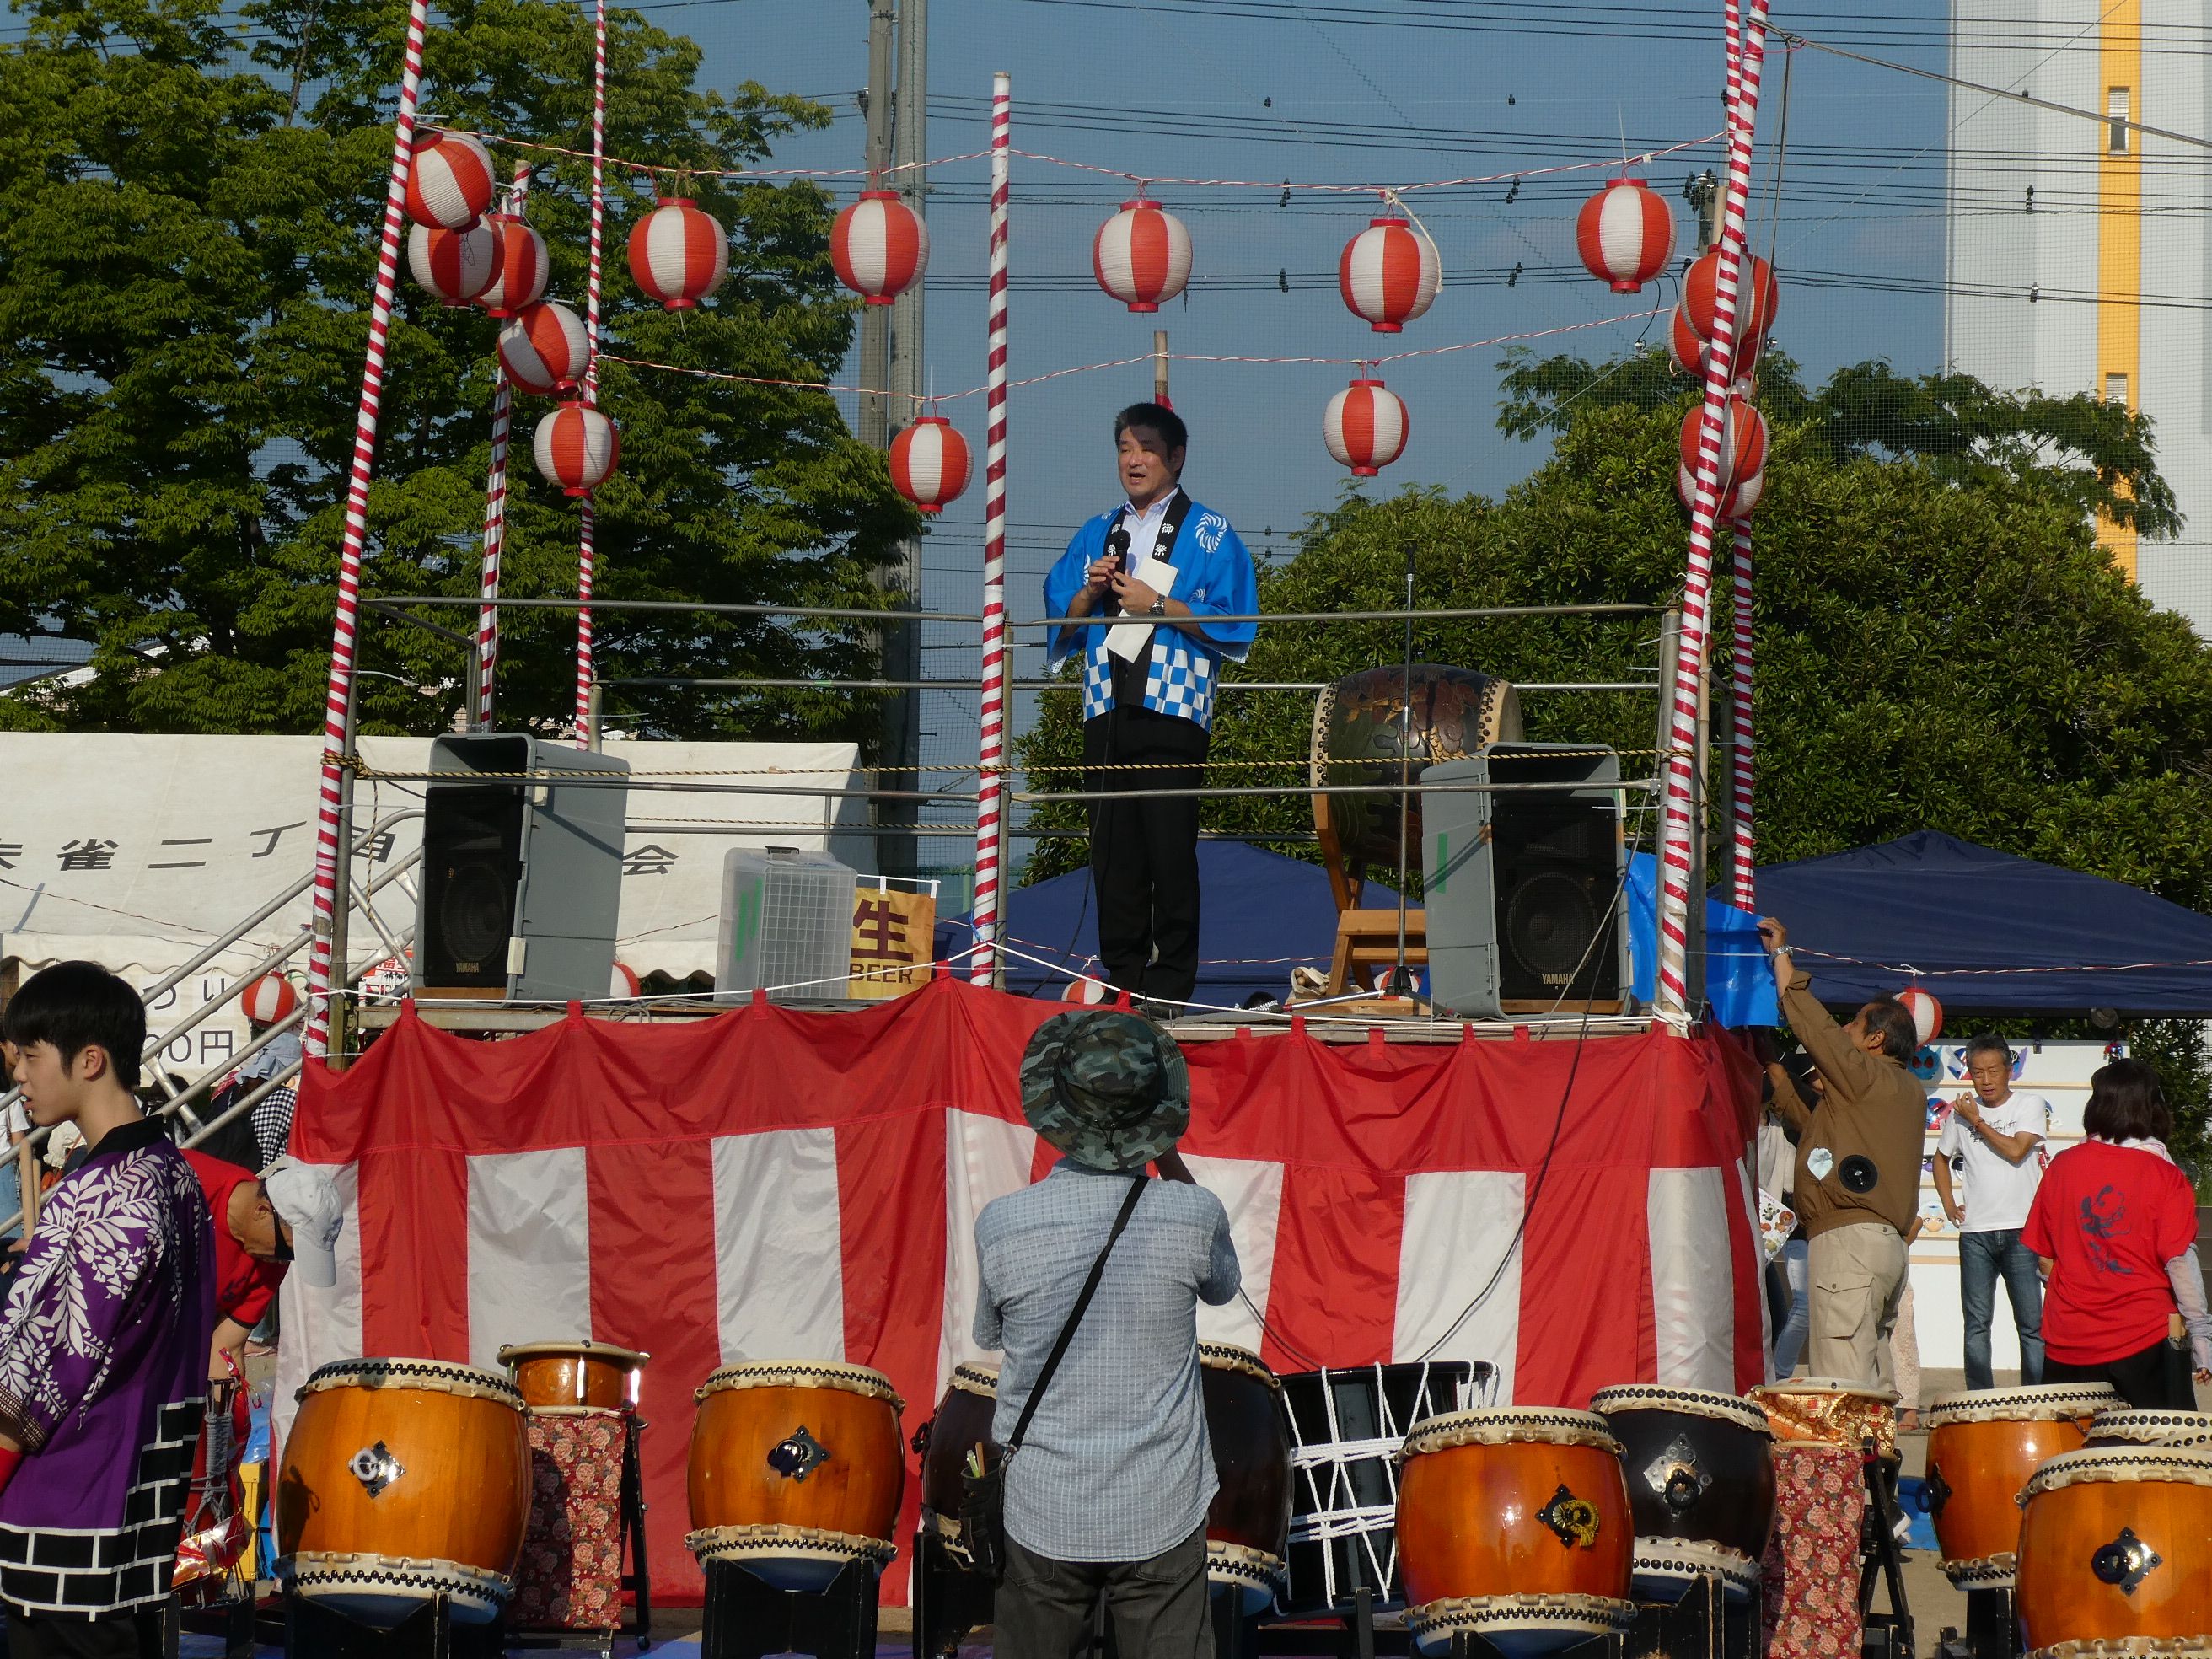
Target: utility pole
(875, 320)
(1160, 368)
(1703, 193)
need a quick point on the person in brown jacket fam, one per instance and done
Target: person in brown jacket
(1857, 1184)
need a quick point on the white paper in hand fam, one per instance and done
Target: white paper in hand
(1126, 640)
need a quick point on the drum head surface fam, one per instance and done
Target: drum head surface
(1695, 1403)
(1228, 1357)
(604, 1353)
(2135, 1428)
(2047, 1403)
(801, 1374)
(435, 1376)
(2122, 1463)
(975, 1376)
(1504, 1424)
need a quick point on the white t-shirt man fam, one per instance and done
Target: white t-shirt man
(1997, 1191)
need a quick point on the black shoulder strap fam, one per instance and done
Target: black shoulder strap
(1075, 1314)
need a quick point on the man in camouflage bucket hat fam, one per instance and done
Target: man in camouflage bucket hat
(1108, 1089)
(1107, 1498)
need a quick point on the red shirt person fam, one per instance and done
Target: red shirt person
(2114, 1222)
(247, 1245)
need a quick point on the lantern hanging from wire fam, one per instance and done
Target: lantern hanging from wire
(929, 463)
(1756, 299)
(1626, 234)
(1389, 274)
(450, 182)
(544, 347)
(1742, 477)
(455, 265)
(1685, 347)
(1365, 427)
(576, 448)
(679, 254)
(1927, 1013)
(879, 245)
(521, 279)
(269, 1001)
(1141, 256)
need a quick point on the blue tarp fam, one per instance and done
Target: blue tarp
(1739, 983)
(1262, 914)
(1986, 932)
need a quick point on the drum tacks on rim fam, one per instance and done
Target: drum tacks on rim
(1983, 1446)
(1700, 1472)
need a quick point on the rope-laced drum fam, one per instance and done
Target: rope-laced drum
(1346, 1427)
(765, 1431)
(575, 1373)
(1700, 1472)
(1982, 1447)
(403, 1480)
(1247, 1528)
(2112, 1553)
(1514, 1525)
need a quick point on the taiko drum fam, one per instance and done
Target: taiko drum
(1514, 1525)
(796, 1470)
(2111, 1552)
(1982, 1447)
(962, 1423)
(403, 1479)
(1249, 1526)
(575, 1373)
(2128, 1427)
(1700, 1472)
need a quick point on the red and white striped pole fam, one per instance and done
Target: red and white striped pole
(1744, 851)
(991, 789)
(494, 530)
(1673, 1005)
(586, 558)
(346, 621)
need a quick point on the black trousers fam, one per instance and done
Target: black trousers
(1144, 851)
(1158, 1607)
(137, 1634)
(2155, 1379)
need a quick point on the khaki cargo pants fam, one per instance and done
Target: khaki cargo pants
(1857, 1275)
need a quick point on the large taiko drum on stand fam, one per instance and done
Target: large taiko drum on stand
(1700, 1472)
(2112, 1544)
(1247, 1528)
(796, 1470)
(1819, 1411)
(2129, 1427)
(1982, 1447)
(1514, 1525)
(403, 1480)
(575, 1373)
(962, 1423)
(1346, 1428)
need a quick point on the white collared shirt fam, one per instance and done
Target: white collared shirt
(1142, 526)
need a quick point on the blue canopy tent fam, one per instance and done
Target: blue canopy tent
(1987, 933)
(1262, 915)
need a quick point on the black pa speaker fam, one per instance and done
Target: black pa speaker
(521, 871)
(1523, 886)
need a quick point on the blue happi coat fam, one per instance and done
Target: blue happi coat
(1213, 576)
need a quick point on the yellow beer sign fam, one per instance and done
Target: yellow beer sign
(892, 936)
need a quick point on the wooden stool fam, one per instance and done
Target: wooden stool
(1369, 938)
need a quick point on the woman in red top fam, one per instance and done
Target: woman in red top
(2114, 1222)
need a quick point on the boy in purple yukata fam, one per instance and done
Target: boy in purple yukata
(103, 1338)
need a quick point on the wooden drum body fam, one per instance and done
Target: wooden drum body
(796, 1469)
(1247, 1528)
(1982, 1447)
(2112, 1553)
(403, 1479)
(1514, 1525)
(2129, 1427)
(1700, 1472)
(575, 1373)
(963, 1421)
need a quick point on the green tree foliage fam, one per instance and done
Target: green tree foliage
(188, 231)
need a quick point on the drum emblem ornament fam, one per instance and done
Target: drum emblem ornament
(1573, 1519)
(797, 1455)
(375, 1467)
(1939, 1491)
(2126, 1561)
(1674, 1475)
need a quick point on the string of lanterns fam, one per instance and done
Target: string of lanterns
(1742, 477)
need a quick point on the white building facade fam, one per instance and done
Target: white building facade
(2080, 252)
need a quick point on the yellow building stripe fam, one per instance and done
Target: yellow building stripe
(2119, 235)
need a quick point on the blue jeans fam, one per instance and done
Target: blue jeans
(1790, 1341)
(1982, 1258)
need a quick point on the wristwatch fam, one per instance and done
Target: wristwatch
(1159, 607)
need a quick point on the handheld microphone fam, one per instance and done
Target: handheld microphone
(1117, 549)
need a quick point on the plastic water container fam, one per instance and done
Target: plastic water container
(787, 925)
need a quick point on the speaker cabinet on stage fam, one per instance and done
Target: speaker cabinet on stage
(1521, 887)
(521, 875)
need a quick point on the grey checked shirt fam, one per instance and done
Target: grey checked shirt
(1116, 1466)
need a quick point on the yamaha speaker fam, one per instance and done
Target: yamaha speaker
(1523, 886)
(521, 872)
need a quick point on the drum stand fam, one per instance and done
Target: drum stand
(1992, 1628)
(638, 1580)
(949, 1600)
(1705, 1623)
(429, 1632)
(748, 1618)
(1888, 1635)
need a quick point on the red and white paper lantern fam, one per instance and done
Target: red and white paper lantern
(269, 999)
(1389, 274)
(929, 463)
(544, 347)
(1626, 234)
(1141, 256)
(1927, 1013)
(521, 278)
(1687, 347)
(679, 254)
(623, 983)
(1757, 297)
(1365, 428)
(456, 265)
(450, 185)
(1742, 477)
(576, 448)
(880, 247)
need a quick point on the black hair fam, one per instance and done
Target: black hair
(1160, 418)
(77, 1006)
(2127, 1103)
(1892, 1021)
(1988, 1042)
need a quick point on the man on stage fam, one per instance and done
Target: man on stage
(1170, 566)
